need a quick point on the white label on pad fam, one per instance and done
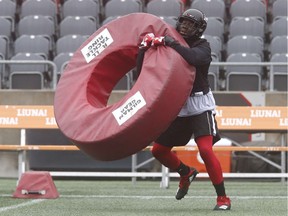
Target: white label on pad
(97, 45)
(129, 108)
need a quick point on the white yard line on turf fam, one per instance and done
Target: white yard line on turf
(30, 202)
(158, 197)
(169, 197)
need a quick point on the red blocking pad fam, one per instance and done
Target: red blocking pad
(36, 185)
(111, 132)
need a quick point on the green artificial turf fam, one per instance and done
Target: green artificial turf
(123, 198)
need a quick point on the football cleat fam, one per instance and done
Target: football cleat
(223, 203)
(185, 182)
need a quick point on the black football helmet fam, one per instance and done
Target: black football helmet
(191, 24)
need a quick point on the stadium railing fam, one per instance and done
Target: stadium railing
(250, 119)
(269, 65)
(45, 62)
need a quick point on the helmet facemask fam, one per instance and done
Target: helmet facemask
(187, 28)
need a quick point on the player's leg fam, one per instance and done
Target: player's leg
(169, 159)
(178, 134)
(212, 164)
(205, 138)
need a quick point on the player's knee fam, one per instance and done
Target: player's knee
(158, 150)
(204, 145)
(155, 150)
(204, 154)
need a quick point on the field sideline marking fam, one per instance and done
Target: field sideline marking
(31, 202)
(158, 197)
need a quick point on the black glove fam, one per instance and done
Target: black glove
(169, 41)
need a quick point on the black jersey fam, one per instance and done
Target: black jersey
(197, 54)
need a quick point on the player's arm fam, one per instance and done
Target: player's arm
(198, 55)
(143, 46)
(139, 62)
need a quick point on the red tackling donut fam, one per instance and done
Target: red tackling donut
(111, 132)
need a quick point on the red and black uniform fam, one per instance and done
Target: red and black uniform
(196, 119)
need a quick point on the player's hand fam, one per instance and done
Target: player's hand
(158, 41)
(147, 40)
(163, 41)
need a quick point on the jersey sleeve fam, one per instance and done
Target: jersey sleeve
(197, 55)
(139, 62)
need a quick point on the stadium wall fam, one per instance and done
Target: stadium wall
(8, 160)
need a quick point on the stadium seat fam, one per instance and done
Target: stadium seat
(77, 25)
(61, 61)
(165, 8)
(254, 26)
(213, 74)
(109, 19)
(33, 44)
(244, 78)
(245, 44)
(214, 8)
(215, 27)
(26, 80)
(279, 8)
(280, 73)
(122, 7)
(8, 8)
(4, 46)
(1, 72)
(27, 76)
(248, 8)
(279, 45)
(3, 55)
(266, 2)
(39, 7)
(69, 43)
(280, 57)
(28, 67)
(279, 26)
(172, 20)
(36, 25)
(215, 44)
(185, 2)
(81, 8)
(7, 26)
